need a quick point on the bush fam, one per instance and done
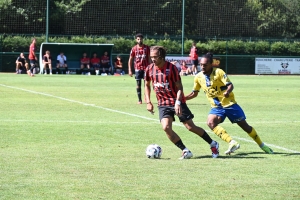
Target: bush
(123, 45)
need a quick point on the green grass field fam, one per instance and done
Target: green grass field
(84, 137)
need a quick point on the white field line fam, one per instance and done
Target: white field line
(125, 113)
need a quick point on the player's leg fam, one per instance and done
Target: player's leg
(252, 133)
(45, 69)
(32, 66)
(166, 116)
(186, 118)
(50, 68)
(215, 117)
(139, 75)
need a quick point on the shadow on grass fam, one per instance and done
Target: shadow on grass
(232, 156)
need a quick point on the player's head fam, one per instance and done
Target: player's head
(84, 54)
(21, 54)
(193, 44)
(139, 38)
(33, 40)
(94, 55)
(48, 52)
(157, 54)
(206, 63)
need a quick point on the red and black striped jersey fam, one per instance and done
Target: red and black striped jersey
(141, 56)
(163, 82)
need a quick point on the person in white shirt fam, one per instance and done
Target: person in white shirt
(61, 63)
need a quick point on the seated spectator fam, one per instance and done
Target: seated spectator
(185, 70)
(105, 66)
(61, 63)
(85, 63)
(118, 65)
(47, 62)
(95, 63)
(21, 64)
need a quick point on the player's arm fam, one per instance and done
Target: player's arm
(177, 107)
(147, 96)
(130, 61)
(191, 95)
(229, 89)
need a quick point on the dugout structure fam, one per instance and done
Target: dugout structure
(73, 52)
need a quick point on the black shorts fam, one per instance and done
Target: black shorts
(139, 74)
(195, 62)
(169, 111)
(32, 62)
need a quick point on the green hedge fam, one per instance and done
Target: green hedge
(123, 45)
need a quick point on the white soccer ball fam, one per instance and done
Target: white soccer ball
(153, 151)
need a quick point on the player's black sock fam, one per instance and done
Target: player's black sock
(180, 145)
(207, 138)
(139, 91)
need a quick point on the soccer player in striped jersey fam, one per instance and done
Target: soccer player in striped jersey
(167, 85)
(218, 89)
(140, 55)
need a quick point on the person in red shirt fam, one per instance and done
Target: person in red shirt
(95, 62)
(118, 65)
(140, 54)
(105, 66)
(32, 57)
(167, 85)
(194, 57)
(185, 70)
(85, 63)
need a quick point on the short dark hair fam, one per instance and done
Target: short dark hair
(209, 56)
(161, 51)
(139, 35)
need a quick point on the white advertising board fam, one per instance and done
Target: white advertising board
(277, 65)
(180, 59)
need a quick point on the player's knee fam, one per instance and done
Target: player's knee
(211, 124)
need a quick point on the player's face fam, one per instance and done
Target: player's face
(205, 65)
(155, 58)
(139, 40)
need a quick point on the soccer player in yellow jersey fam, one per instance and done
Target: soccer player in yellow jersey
(218, 89)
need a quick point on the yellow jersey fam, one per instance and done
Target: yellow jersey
(214, 85)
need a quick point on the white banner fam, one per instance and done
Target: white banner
(277, 65)
(180, 59)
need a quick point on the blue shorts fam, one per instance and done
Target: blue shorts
(234, 113)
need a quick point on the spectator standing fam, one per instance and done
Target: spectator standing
(95, 62)
(21, 64)
(85, 63)
(118, 65)
(61, 61)
(105, 64)
(194, 58)
(47, 63)
(32, 57)
(140, 55)
(167, 85)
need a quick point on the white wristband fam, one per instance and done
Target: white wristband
(177, 102)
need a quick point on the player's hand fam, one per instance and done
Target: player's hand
(130, 73)
(178, 110)
(226, 94)
(150, 108)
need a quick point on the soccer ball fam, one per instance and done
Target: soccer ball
(153, 151)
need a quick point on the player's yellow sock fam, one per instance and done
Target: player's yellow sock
(255, 137)
(220, 131)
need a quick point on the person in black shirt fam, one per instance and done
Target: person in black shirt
(21, 64)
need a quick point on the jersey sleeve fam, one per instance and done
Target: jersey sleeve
(197, 85)
(224, 78)
(132, 52)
